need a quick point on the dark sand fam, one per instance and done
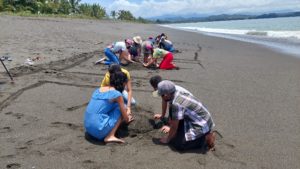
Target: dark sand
(252, 92)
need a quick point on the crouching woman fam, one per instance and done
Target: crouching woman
(106, 110)
(166, 62)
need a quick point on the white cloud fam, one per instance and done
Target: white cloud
(150, 8)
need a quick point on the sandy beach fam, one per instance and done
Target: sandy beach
(252, 92)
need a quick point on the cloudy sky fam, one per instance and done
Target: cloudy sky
(153, 8)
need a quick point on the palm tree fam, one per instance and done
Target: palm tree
(98, 11)
(1, 5)
(125, 15)
(74, 6)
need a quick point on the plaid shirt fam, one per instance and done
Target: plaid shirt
(197, 119)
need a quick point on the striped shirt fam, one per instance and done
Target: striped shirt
(197, 119)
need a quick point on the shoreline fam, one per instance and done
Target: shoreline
(252, 92)
(282, 45)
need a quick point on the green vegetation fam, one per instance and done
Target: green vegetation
(63, 8)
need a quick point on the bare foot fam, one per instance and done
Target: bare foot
(113, 139)
(100, 61)
(210, 140)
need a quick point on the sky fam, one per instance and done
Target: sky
(155, 8)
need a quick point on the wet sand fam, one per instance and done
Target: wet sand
(252, 92)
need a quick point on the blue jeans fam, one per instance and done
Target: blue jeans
(169, 48)
(112, 58)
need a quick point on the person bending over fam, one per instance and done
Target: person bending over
(106, 110)
(154, 81)
(167, 59)
(166, 44)
(120, 48)
(138, 46)
(190, 122)
(147, 49)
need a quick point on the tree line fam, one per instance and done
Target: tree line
(64, 7)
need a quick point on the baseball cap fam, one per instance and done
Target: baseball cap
(165, 87)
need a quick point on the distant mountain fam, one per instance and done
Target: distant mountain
(172, 17)
(222, 17)
(277, 15)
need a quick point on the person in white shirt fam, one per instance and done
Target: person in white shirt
(120, 48)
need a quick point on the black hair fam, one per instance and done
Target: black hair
(157, 39)
(154, 80)
(133, 51)
(164, 35)
(113, 68)
(117, 80)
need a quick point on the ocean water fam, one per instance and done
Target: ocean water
(281, 34)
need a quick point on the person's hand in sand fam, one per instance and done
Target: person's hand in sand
(157, 116)
(125, 55)
(130, 119)
(128, 111)
(165, 129)
(166, 58)
(150, 62)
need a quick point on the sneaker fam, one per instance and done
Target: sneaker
(29, 62)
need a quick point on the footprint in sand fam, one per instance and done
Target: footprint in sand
(196, 56)
(24, 150)
(138, 83)
(76, 107)
(40, 141)
(201, 161)
(88, 162)
(13, 165)
(68, 125)
(8, 113)
(6, 129)
(225, 151)
(61, 148)
(199, 48)
(200, 64)
(8, 156)
(29, 119)
(92, 164)
(18, 115)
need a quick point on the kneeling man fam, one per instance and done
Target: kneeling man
(190, 122)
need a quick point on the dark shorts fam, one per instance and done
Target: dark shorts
(181, 144)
